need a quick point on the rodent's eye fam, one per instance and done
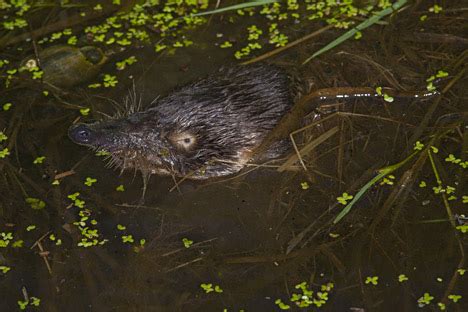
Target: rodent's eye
(183, 140)
(81, 134)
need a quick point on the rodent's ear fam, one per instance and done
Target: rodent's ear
(184, 141)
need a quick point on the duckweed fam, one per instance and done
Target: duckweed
(5, 239)
(110, 81)
(90, 181)
(22, 304)
(306, 297)
(282, 305)
(126, 62)
(388, 180)
(436, 9)
(187, 242)
(6, 106)
(89, 236)
(15, 23)
(39, 160)
(33, 301)
(451, 158)
(18, 244)
(30, 228)
(35, 203)
(4, 152)
(462, 228)
(388, 98)
(374, 280)
(343, 199)
(418, 146)
(225, 44)
(457, 161)
(3, 136)
(207, 287)
(454, 298)
(85, 111)
(425, 300)
(56, 240)
(73, 40)
(128, 239)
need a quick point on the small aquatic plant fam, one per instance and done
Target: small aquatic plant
(374, 280)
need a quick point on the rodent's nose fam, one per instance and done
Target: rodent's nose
(81, 134)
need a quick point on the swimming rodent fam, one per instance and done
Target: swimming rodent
(211, 127)
(205, 129)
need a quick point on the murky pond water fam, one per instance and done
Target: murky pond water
(266, 239)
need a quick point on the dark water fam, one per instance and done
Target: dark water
(259, 234)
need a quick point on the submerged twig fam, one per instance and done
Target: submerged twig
(42, 252)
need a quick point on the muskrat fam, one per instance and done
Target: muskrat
(205, 129)
(209, 128)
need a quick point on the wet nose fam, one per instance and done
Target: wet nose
(81, 134)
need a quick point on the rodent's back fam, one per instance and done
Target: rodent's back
(244, 94)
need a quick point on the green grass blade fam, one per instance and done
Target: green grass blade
(237, 7)
(350, 33)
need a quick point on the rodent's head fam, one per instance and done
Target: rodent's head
(106, 135)
(145, 144)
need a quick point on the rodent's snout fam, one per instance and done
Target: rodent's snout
(81, 134)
